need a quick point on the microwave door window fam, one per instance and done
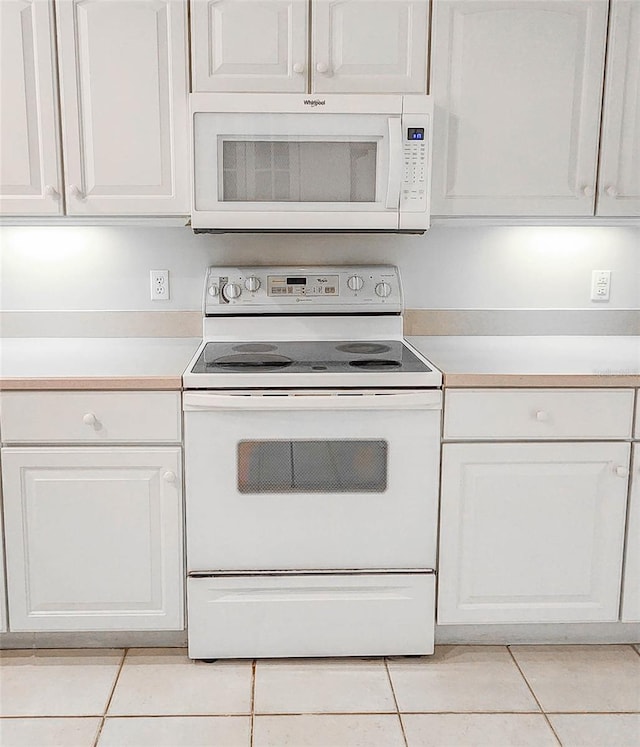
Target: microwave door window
(299, 171)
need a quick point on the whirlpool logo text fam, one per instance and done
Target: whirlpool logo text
(314, 102)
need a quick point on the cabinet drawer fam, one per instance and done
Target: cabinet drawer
(91, 417)
(533, 414)
(371, 614)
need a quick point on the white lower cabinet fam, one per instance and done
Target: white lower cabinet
(631, 584)
(532, 532)
(93, 538)
(3, 589)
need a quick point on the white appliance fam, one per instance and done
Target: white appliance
(289, 162)
(312, 442)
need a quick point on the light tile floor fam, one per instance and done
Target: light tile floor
(486, 696)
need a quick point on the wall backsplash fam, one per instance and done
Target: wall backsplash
(107, 268)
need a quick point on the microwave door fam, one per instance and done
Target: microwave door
(297, 172)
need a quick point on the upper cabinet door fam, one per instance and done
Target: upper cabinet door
(30, 174)
(517, 88)
(249, 45)
(124, 94)
(619, 187)
(370, 46)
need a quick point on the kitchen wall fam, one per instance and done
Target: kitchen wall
(107, 268)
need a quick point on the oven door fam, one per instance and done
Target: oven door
(311, 481)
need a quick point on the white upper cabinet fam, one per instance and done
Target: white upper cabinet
(30, 167)
(517, 88)
(619, 181)
(369, 46)
(249, 45)
(357, 46)
(123, 93)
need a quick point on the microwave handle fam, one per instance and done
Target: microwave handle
(394, 179)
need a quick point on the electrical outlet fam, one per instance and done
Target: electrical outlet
(159, 285)
(600, 284)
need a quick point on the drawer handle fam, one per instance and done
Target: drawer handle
(621, 471)
(542, 416)
(169, 476)
(89, 419)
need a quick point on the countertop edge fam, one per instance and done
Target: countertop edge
(166, 383)
(497, 380)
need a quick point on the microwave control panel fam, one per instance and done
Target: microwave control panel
(295, 290)
(413, 192)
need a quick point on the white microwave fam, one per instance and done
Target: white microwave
(289, 162)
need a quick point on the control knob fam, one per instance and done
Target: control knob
(252, 283)
(231, 290)
(213, 290)
(383, 289)
(355, 282)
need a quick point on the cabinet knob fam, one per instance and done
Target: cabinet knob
(76, 191)
(612, 191)
(542, 416)
(51, 191)
(89, 419)
(322, 67)
(621, 471)
(298, 68)
(169, 476)
(587, 191)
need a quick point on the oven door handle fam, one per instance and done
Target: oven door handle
(200, 401)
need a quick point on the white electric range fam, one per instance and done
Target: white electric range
(312, 441)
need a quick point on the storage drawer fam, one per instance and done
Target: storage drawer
(538, 414)
(91, 417)
(373, 614)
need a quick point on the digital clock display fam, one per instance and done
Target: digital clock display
(415, 133)
(296, 281)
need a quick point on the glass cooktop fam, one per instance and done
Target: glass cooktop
(308, 357)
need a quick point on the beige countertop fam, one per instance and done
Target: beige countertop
(534, 361)
(94, 363)
(465, 361)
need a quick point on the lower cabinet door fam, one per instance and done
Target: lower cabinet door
(94, 538)
(323, 614)
(631, 583)
(532, 532)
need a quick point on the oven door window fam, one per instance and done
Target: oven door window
(299, 171)
(344, 466)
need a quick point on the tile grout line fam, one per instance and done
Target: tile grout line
(254, 666)
(395, 700)
(109, 699)
(535, 697)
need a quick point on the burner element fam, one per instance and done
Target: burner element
(251, 362)
(363, 348)
(373, 364)
(254, 347)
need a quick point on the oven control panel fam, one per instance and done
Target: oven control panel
(295, 290)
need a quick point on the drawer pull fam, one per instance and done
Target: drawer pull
(621, 471)
(169, 476)
(89, 419)
(542, 416)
